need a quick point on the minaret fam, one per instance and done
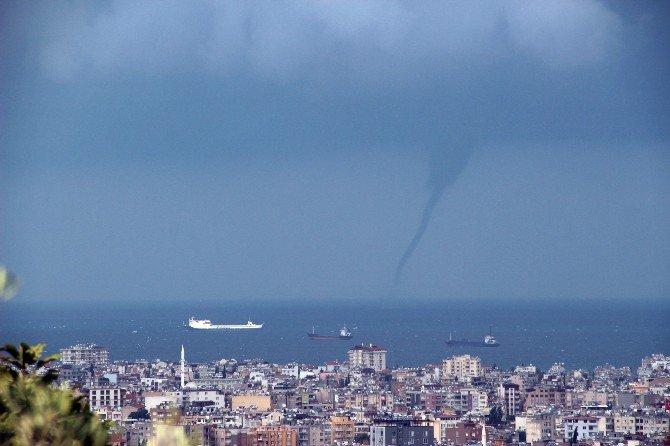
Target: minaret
(182, 366)
(484, 434)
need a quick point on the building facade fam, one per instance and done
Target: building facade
(86, 355)
(105, 397)
(545, 396)
(510, 395)
(341, 430)
(462, 368)
(585, 426)
(400, 433)
(276, 436)
(368, 356)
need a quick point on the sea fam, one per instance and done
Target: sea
(578, 333)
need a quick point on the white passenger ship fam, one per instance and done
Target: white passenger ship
(206, 324)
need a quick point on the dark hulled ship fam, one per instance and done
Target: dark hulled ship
(489, 341)
(344, 335)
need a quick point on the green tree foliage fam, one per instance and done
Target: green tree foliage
(495, 416)
(362, 438)
(35, 412)
(9, 284)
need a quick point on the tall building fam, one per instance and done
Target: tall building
(86, 355)
(275, 436)
(586, 427)
(458, 433)
(538, 426)
(105, 397)
(368, 356)
(545, 396)
(462, 368)
(396, 432)
(510, 395)
(311, 435)
(341, 430)
(467, 399)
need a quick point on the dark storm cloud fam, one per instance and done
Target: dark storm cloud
(111, 111)
(320, 41)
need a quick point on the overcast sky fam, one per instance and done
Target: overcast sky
(300, 150)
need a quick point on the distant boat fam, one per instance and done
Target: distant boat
(489, 341)
(206, 324)
(344, 335)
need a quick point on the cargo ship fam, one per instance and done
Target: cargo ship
(344, 335)
(489, 341)
(206, 324)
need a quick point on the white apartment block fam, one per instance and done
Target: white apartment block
(155, 384)
(191, 396)
(537, 427)
(467, 399)
(463, 368)
(87, 355)
(529, 369)
(368, 356)
(105, 397)
(587, 427)
(155, 399)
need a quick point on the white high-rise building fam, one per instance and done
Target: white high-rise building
(86, 355)
(105, 397)
(368, 356)
(463, 368)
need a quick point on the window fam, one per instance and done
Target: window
(425, 441)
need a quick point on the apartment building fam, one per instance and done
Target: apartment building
(401, 433)
(586, 427)
(341, 430)
(86, 355)
(368, 356)
(105, 397)
(462, 368)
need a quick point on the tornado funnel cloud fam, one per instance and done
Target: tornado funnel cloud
(445, 169)
(425, 219)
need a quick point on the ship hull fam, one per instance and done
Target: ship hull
(241, 327)
(316, 337)
(470, 344)
(226, 327)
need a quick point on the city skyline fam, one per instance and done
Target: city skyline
(456, 401)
